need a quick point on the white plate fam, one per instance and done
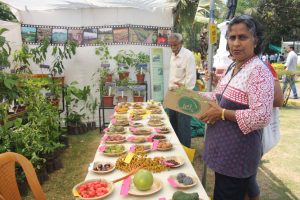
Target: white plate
(157, 185)
(178, 159)
(103, 172)
(181, 185)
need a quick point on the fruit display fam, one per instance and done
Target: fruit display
(158, 137)
(115, 138)
(152, 164)
(121, 122)
(141, 131)
(120, 116)
(121, 109)
(124, 104)
(164, 146)
(138, 139)
(163, 130)
(146, 138)
(137, 105)
(174, 161)
(114, 150)
(139, 111)
(103, 167)
(136, 124)
(142, 148)
(135, 117)
(155, 110)
(155, 122)
(143, 180)
(179, 195)
(184, 179)
(156, 117)
(115, 129)
(93, 189)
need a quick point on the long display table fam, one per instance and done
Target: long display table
(167, 190)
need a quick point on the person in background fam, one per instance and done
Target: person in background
(272, 58)
(182, 73)
(290, 65)
(241, 108)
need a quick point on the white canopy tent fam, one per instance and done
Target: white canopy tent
(88, 13)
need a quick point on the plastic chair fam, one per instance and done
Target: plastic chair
(8, 184)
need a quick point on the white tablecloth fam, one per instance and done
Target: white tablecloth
(167, 190)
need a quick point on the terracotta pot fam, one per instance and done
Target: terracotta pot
(109, 78)
(123, 75)
(122, 99)
(60, 80)
(55, 102)
(108, 101)
(140, 78)
(138, 98)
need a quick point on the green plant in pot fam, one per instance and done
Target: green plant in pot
(141, 63)
(122, 88)
(74, 97)
(124, 61)
(104, 55)
(138, 93)
(107, 95)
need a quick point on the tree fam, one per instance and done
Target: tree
(6, 14)
(186, 24)
(281, 19)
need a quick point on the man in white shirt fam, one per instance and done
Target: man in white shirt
(290, 65)
(182, 73)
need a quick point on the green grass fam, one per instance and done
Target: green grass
(278, 175)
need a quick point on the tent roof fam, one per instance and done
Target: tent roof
(38, 5)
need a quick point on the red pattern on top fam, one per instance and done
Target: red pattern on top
(252, 86)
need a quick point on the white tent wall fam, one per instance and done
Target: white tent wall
(85, 63)
(13, 35)
(98, 17)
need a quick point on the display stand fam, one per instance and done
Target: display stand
(102, 121)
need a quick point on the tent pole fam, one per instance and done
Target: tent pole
(212, 40)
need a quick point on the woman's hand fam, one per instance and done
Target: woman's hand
(212, 75)
(213, 114)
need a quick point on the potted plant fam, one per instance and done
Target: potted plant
(105, 90)
(141, 62)
(138, 93)
(122, 88)
(107, 97)
(124, 60)
(104, 56)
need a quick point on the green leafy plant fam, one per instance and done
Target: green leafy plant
(74, 97)
(124, 60)
(39, 53)
(141, 61)
(103, 52)
(5, 49)
(21, 59)
(69, 49)
(9, 87)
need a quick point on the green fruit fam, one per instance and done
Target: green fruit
(143, 180)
